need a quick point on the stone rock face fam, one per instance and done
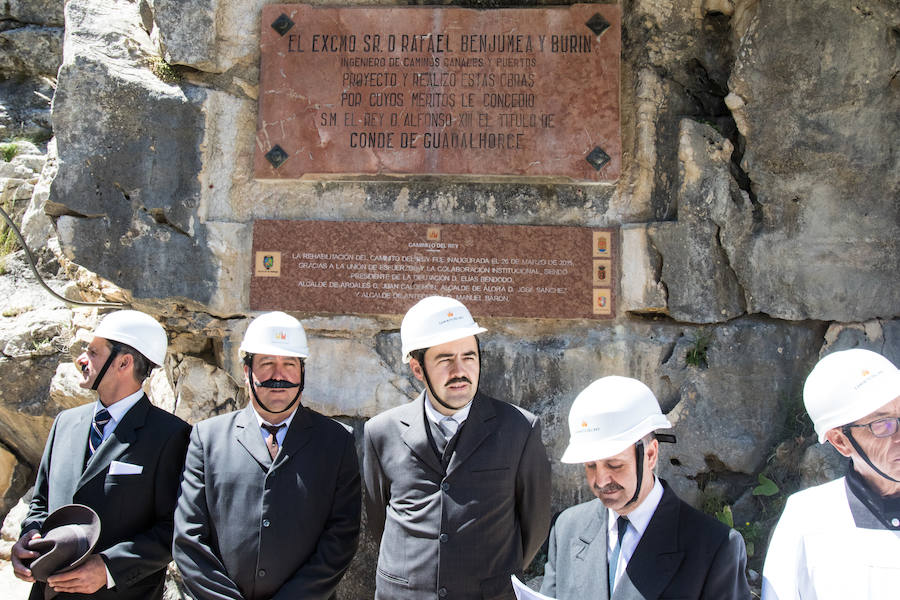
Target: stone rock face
(819, 116)
(141, 213)
(31, 50)
(34, 12)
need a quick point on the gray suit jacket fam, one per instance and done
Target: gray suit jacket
(135, 510)
(250, 528)
(682, 554)
(466, 529)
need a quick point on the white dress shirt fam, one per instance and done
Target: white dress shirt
(458, 418)
(117, 411)
(638, 519)
(279, 437)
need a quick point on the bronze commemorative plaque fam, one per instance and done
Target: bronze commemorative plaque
(384, 268)
(526, 92)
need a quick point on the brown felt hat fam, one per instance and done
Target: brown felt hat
(67, 539)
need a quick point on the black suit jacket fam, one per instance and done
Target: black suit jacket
(250, 528)
(682, 554)
(135, 510)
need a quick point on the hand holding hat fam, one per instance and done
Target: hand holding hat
(69, 536)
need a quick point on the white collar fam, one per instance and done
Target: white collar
(640, 517)
(118, 409)
(435, 417)
(286, 422)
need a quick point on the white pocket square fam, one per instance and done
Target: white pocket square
(124, 468)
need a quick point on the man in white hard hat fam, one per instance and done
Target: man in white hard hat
(842, 539)
(637, 540)
(122, 457)
(457, 483)
(270, 501)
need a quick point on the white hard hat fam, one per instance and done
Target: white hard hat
(435, 320)
(139, 330)
(275, 333)
(847, 385)
(610, 415)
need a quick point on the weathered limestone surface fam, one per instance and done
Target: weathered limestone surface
(815, 94)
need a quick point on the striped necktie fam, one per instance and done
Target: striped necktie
(96, 438)
(621, 525)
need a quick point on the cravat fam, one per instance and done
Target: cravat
(96, 438)
(272, 440)
(621, 525)
(449, 426)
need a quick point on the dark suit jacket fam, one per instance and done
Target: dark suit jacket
(682, 554)
(135, 510)
(246, 527)
(464, 530)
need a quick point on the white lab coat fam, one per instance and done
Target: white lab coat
(818, 552)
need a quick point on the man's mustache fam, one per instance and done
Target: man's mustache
(458, 380)
(608, 489)
(277, 384)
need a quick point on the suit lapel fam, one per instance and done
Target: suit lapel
(415, 436)
(657, 557)
(298, 435)
(589, 550)
(478, 426)
(115, 445)
(247, 433)
(75, 437)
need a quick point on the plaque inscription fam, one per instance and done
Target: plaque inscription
(384, 268)
(429, 90)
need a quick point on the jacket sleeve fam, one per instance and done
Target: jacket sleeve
(377, 487)
(548, 585)
(319, 576)
(780, 580)
(37, 510)
(533, 494)
(203, 572)
(151, 550)
(727, 578)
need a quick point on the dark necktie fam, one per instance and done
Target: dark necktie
(621, 526)
(272, 440)
(96, 438)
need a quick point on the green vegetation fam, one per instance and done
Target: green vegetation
(163, 70)
(9, 243)
(696, 354)
(9, 151)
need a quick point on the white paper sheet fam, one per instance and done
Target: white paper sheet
(523, 592)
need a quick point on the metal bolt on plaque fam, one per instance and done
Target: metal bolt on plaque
(598, 158)
(277, 156)
(597, 24)
(282, 24)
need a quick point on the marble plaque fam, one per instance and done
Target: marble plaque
(525, 92)
(384, 268)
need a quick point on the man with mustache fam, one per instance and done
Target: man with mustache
(270, 498)
(637, 540)
(122, 457)
(457, 483)
(842, 539)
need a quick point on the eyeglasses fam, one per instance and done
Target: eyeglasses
(881, 428)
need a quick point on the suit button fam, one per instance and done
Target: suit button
(445, 486)
(444, 537)
(442, 592)
(265, 522)
(262, 573)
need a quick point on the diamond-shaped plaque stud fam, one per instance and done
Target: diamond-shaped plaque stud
(282, 24)
(276, 156)
(597, 24)
(597, 158)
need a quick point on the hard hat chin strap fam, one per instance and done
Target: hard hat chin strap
(113, 353)
(847, 431)
(639, 456)
(264, 384)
